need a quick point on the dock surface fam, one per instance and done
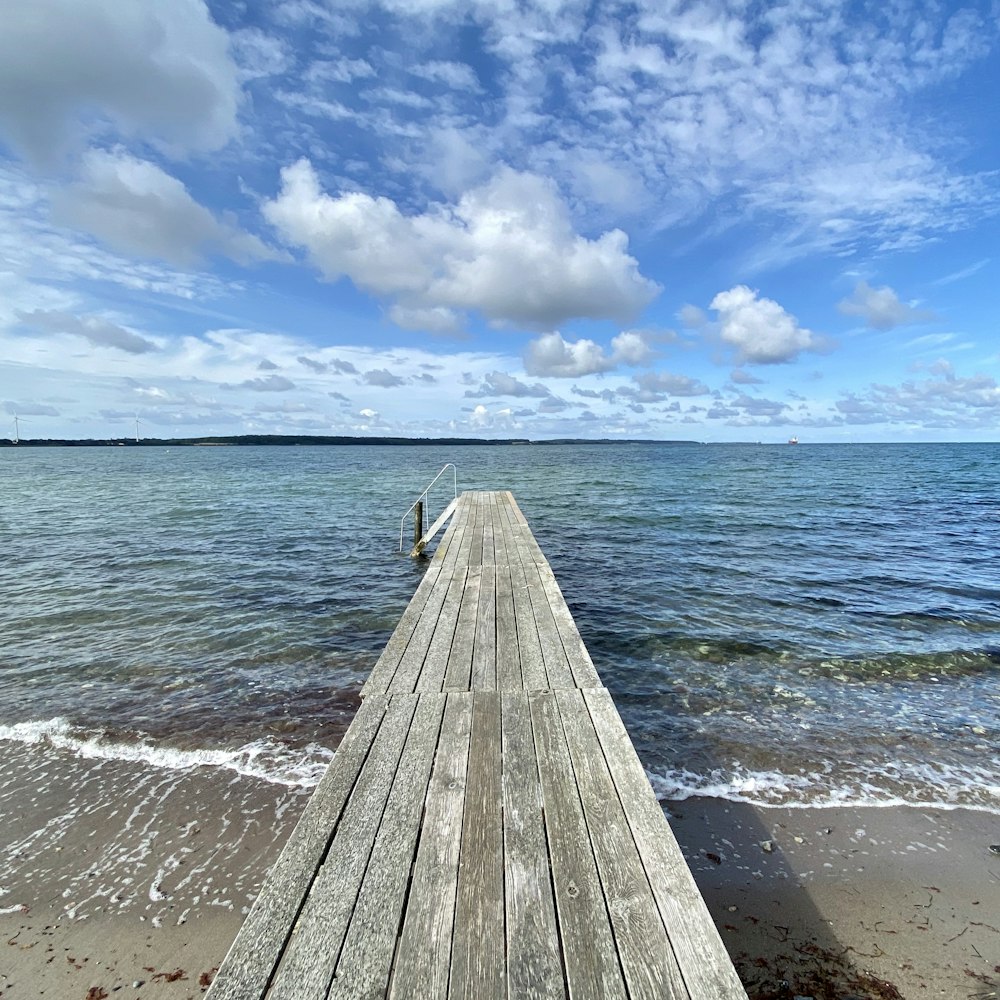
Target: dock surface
(485, 829)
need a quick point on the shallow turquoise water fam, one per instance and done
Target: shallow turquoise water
(819, 623)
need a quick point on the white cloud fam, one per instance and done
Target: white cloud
(160, 70)
(659, 384)
(453, 74)
(551, 355)
(507, 250)
(136, 207)
(631, 347)
(97, 331)
(383, 378)
(739, 377)
(269, 383)
(948, 401)
(437, 319)
(798, 111)
(761, 330)
(880, 308)
(501, 384)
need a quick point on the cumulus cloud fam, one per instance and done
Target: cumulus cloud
(947, 401)
(880, 308)
(739, 377)
(272, 383)
(667, 384)
(314, 366)
(551, 355)
(383, 378)
(760, 330)
(97, 331)
(436, 319)
(136, 207)
(157, 70)
(506, 250)
(502, 384)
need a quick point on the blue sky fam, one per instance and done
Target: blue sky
(703, 220)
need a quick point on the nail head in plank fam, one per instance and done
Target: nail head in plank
(644, 949)
(589, 953)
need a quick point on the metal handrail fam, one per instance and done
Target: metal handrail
(423, 496)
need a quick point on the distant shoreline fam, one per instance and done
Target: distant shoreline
(304, 439)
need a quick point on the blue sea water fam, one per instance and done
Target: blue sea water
(780, 625)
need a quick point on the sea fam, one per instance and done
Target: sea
(784, 626)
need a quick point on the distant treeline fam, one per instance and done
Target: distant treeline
(299, 439)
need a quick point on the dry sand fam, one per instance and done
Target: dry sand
(115, 873)
(850, 902)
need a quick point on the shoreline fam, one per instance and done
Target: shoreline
(114, 873)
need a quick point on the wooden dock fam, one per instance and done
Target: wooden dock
(485, 830)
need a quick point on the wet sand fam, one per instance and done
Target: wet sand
(115, 873)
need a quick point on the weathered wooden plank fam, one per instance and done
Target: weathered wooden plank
(476, 549)
(256, 951)
(478, 952)
(423, 956)
(484, 654)
(589, 953)
(647, 959)
(464, 554)
(499, 530)
(557, 667)
(523, 532)
(534, 967)
(489, 542)
(581, 665)
(450, 546)
(707, 969)
(366, 957)
(386, 664)
(412, 660)
(307, 966)
(529, 648)
(508, 657)
(459, 672)
(436, 662)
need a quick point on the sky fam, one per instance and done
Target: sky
(710, 220)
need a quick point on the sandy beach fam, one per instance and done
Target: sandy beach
(840, 903)
(115, 874)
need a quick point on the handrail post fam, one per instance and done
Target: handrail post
(419, 519)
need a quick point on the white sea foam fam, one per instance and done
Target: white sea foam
(263, 758)
(926, 786)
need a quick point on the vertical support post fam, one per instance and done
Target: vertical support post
(418, 522)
